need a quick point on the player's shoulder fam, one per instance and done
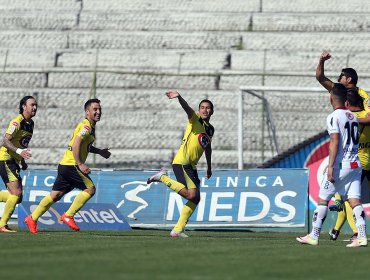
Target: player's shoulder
(85, 126)
(17, 120)
(362, 92)
(361, 114)
(341, 114)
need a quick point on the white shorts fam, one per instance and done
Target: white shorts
(347, 183)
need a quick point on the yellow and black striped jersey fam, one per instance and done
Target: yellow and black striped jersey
(198, 135)
(21, 131)
(86, 131)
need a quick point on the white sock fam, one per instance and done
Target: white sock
(318, 219)
(359, 216)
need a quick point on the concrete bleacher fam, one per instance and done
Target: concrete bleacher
(205, 49)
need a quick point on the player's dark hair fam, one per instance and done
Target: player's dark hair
(354, 98)
(207, 101)
(350, 73)
(340, 92)
(23, 102)
(88, 102)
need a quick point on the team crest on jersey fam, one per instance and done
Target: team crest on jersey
(85, 130)
(349, 116)
(203, 140)
(24, 141)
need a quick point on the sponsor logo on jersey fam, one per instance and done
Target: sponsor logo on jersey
(11, 129)
(85, 130)
(203, 140)
(14, 124)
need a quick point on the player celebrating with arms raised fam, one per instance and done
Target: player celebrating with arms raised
(343, 174)
(196, 140)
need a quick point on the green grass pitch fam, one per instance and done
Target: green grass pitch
(152, 254)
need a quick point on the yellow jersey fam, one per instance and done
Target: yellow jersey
(364, 131)
(364, 144)
(21, 130)
(365, 96)
(198, 135)
(86, 131)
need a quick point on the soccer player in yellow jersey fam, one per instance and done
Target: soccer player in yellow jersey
(72, 170)
(197, 139)
(13, 152)
(348, 77)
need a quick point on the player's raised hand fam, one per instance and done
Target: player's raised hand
(325, 56)
(172, 94)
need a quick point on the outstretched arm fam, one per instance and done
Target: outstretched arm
(105, 153)
(174, 94)
(320, 75)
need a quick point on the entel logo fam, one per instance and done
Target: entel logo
(317, 164)
(52, 216)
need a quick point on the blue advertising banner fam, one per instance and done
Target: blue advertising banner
(94, 216)
(248, 198)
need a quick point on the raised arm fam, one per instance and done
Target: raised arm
(320, 75)
(174, 94)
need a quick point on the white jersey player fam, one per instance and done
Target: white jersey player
(343, 174)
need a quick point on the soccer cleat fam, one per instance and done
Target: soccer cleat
(156, 177)
(31, 224)
(308, 240)
(334, 234)
(69, 221)
(337, 206)
(358, 242)
(6, 228)
(178, 234)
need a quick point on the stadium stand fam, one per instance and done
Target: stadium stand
(205, 49)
